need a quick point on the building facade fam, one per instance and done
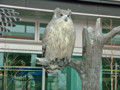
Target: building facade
(20, 47)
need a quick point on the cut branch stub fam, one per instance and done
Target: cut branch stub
(98, 28)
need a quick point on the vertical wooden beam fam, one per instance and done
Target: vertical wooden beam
(115, 76)
(111, 57)
(101, 76)
(5, 77)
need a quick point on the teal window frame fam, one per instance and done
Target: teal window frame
(23, 30)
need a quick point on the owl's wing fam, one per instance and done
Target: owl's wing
(45, 37)
(44, 40)
(7, 17)
(73, 38)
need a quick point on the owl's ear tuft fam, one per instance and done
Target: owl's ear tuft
(57, 10)
(69, 10)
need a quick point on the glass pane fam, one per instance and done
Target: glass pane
(0, 80)
(42, 28)
(23, 30)
(107, 26)
(66, 79)
(18, 74)
(57, 81)
(106, 73)
(15, 59)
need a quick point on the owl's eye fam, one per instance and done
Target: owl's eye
(68, 15)
(61, 14)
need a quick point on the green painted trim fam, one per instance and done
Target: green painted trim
(101, 76)
(75, 79)
(24, 23)
(19, 67)
(19, 70)
(1, 59)
(109, 70)
(43, 24)
(22, 34)
(68, 76)
(33, 59)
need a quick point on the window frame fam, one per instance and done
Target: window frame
(36, 35)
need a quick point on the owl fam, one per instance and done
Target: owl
(58, 40)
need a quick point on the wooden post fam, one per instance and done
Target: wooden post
(111, 66)
(115, 76)
(5, 77)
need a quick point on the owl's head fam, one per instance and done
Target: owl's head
(61, 14)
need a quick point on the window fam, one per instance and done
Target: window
(42, 29)
(107, 25)
(23, 30)
(66, 79)
(18, 72)
(57, 81)
(106, 73)
(115, 40)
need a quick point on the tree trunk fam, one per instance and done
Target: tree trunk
(92, 52)
(91, 81)
(90, 78)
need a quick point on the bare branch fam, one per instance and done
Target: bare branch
(78, 66)
(112, 33)
(74, 63)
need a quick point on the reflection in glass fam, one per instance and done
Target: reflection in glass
(23, 30)
(107, 25)
(42, 29)
(57, 81)
(18, 74)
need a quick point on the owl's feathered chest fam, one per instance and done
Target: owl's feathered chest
(62, 28)
(61, 31)
(59, 40)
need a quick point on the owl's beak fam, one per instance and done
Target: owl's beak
(66, 19)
